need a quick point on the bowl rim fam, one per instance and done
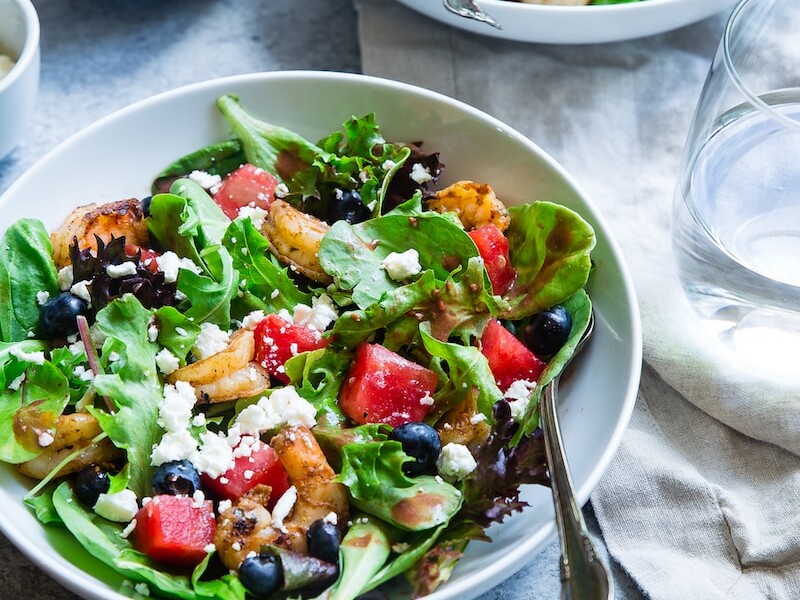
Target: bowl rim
(555, 8)
(29, 48)
(89, 586)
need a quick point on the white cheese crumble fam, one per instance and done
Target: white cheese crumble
(331, 518)
(388, 165)
(426, 400)
(120, 507)
(455, 461)
(129, 529)
(142, 589)
(83, 373)
(519, 396)
(284, 406)
(113, 357)
(167, 362)
(210, 341)
(175, 408)
(252, 319)
(42, 297)
(205, 180)
(283, 507)
(16, 383)
(152, 331)
(45, 439)
(65, 278)
(257, 215)
(174, 445)
(117, 271)
(224, 505)
(402, 265)
(81, 290)
(281, 190)
(36, 358)
(420, 173)
(319, 315)
(209, 548)
(215, 456)
(169, 263)
(477, 418)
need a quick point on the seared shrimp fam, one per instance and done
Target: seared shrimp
(227, 375)
(73, 432)
(295, 238)
(117, 219)
(247, 525)
(474, 203)
(463, 425)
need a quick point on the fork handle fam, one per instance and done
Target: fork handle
(583, 575)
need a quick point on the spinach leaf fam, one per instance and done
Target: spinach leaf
(353, 254)
(209, 296)
(26, 267)
(220, 158)
(134, 388)
(176, 332)
(373, 474)
(549, 246)
(43, 507)
(102, 540)
(31, 410)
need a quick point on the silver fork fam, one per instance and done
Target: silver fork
(583, 575)
(470, 10)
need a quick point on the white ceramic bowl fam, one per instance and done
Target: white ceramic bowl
(19, 39)
(576, 24)
(118, 156)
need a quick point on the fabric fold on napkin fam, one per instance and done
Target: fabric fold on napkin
(700, 502)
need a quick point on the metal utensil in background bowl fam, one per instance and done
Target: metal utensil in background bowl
(552, 24)
(116, 158)
(19, 39)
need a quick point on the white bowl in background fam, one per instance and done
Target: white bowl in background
(552, 24)
(19, 39)
(118, 156)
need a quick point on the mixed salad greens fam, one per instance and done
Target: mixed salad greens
(295, 370)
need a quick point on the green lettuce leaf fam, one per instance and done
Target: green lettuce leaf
(318, 376)
(26, 267)
(549, 246)
(373, 474)
(209, 296)
(176, 332)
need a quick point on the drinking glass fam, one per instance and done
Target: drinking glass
(736, 212)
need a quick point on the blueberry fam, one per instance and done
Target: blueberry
(261, 575)
(548, 331)
(347, 205)
(323, 541)
(145, 204)
(421, 442)
(58, 317)
(176, 478)
(89, 483)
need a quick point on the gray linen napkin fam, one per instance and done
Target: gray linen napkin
(701, 500)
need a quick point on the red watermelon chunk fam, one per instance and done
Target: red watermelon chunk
(509, 359)
(246, 186)
(493, 248)
(278, 340)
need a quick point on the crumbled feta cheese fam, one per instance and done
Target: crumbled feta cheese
(175, 408)
(257, 215)
(215, 455)
(129, 529)
(205, 180)
(65, 278)
(281, 190)
(83, 373)
(169, 263)
(455, 461)
(388, 165)
(174, 445)
(45, 439)
(275, 293)
(400, 547)
(519, 396)
(319, 315)
(117, 271)
(209, 548)
(477, 418)
(236, 546)
(199, 420)
(198, 498)
(16, 383)
(331, 518)
(224, 505)
(81, 290)
(426, 400)
(402, 265)
(255, 419)
(113, 357)
(36, 358)
(42, 297)
(420, 173)
(152, 331)
(142, 589)
(252, 319)
(76, 347)
(210, 341)
(167, 362)
(292, 408)
(283, 507)
(120, 507)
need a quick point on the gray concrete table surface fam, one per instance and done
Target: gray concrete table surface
(101, 55)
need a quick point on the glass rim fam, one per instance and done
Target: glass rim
(728, 61)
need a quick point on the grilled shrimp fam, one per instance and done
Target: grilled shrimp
(474, 203)
(73, 432)
(247, 524)
(226, 375)
(463, 425)
(117, 219)
(295, 238)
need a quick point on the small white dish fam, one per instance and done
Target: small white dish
(118, 156)
(552, 24)
(19, 39)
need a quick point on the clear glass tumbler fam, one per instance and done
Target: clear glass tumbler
(736, 213)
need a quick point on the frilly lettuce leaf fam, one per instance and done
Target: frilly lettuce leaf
(318, 376)
(549, 246)
(176, 332)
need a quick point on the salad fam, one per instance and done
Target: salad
(295, 370)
